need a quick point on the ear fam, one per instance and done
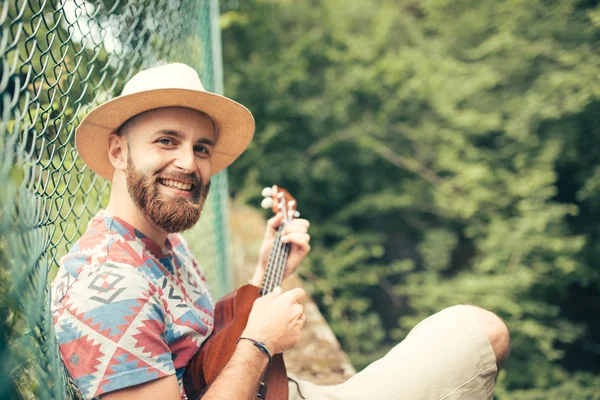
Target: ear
(117, 151)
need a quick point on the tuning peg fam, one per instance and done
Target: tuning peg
(266, 203)
(267, 192)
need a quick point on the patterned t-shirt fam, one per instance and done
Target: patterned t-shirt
(127, 311)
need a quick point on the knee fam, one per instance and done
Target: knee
(496, 331)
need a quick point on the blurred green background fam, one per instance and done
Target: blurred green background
(445, 151)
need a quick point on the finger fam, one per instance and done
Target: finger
(297, 254)
(299, 238)
(301, 221)
(291, 228)
(295, 258)
(298, 309)
(302, 319)
(274, 222)
(295, 295)
(274, 292)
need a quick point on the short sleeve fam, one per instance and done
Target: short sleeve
(110, 328)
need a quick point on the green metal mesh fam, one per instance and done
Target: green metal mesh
(59, 59)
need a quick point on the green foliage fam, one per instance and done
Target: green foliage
(28, 355)
(445, 151)
(57, 61)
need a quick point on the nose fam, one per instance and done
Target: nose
(186, 160)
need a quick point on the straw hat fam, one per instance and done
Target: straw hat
(172, 85)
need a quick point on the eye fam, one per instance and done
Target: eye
(203, 151)
(165, 141)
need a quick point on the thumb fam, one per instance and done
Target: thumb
(272, 225)
(275, 292)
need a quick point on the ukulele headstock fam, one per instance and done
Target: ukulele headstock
(280, 200)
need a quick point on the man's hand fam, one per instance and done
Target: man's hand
(295, 233)
(277, 319)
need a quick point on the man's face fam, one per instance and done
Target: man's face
(168, 165)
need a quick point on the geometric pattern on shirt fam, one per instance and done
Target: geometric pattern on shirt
(127, 312)
(105, 286)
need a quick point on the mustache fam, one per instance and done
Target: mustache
(199, 189)
(179, 176)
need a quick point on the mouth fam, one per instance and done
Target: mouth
(173, 184)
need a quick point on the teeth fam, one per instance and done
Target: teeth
(178, 185)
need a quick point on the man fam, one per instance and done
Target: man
(131, 306)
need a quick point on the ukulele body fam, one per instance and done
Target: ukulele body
(231, 317)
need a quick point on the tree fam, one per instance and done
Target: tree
(444, 152)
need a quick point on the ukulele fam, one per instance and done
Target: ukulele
(233, 310)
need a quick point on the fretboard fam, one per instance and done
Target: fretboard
(276, 264)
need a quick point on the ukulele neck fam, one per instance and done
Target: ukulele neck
(280, 201)
(276, 264)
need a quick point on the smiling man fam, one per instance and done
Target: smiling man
(131, 305)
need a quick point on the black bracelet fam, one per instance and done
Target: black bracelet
(258, 344)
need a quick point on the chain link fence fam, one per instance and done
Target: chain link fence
(59, 59)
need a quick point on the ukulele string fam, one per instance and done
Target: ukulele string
(281, 272)
(278, 270)
(282, 256)
(266, 277)
(269, 274)
(280, 265)
(288, 216)
(277, 249)
(277, 252)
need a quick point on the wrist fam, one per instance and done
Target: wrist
(260, 336)
(252, 352)
(259, 345)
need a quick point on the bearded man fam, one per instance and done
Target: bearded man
(130, 303)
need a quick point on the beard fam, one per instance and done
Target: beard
(172, 214)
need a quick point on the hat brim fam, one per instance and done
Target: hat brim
(233, 121)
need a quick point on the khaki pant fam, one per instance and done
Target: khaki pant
(446, 356)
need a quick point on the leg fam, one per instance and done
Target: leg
(453, 354)
(496, 331)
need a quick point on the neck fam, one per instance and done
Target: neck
(122, 206)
